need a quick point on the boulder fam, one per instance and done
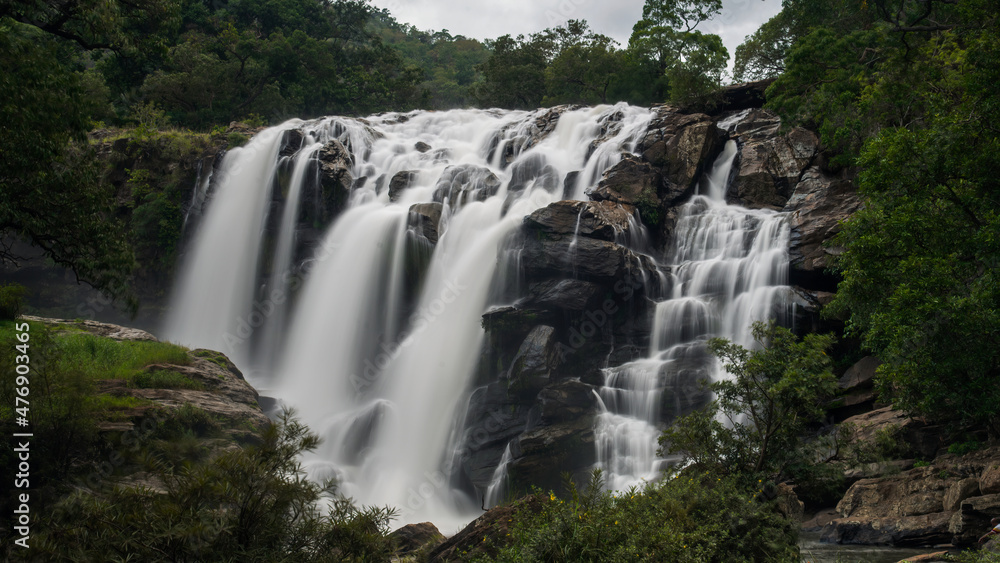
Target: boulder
(770, 166)
(989, 480)
(685, 155)
(484, 536)
(465, 182)
(532, 168)
(399, 182)
(630, 182)
(923, 439)
(817, 207)
(958, 492)
(421, 146)
(336, 178)
(413, 537)
(603, 220)
(925, 529)
(424, 218)
(972, 519)
(749, 95)
(860, 375)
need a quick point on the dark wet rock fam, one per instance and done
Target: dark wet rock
(603, 220)
(336, 179)
(534, 362)
(544, 452)
(817, 207)
(770, 165)
(566, 401)
(565, 294)
(744, 96)
(399, 182)
(422, 146)
(291, 142)
(629, 182)
(532, 168)
(494, 418)
(586, 258)
(425, 218)
(465, 182)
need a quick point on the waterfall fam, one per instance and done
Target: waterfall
(729, 267)
(497, 488)
(214, 300)
(378, 352)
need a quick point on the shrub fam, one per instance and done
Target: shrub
(11, 300)
(690, 518)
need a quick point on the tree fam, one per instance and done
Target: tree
(754, 423)
(902, 93)
(514, 74)
(584, 67)
(762, 55)
(693, 62)
(52, 195)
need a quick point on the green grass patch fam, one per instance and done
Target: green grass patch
(164, 379)
(103, 358)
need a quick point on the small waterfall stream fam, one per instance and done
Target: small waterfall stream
(729, 268)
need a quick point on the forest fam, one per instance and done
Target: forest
(902, 93)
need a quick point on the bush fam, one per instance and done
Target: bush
(249, 504)
(690, 518)
(11, 300)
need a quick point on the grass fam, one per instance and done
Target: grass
(163, 379)
(103, 358)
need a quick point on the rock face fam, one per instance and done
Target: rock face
(817, 206)
(770, 164)
(425, 219)
(336, 179)
(940, 503)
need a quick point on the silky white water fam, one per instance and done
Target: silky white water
(374, 358)
(729, 268)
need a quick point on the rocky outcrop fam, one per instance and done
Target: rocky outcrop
(399, 182)
(770, 164)
(604, 220)
(465, 182)
(921, 439)
(336, 178)
(425, 218)
(413, 538)
(857, 387)
(485, 535)
(939, 503)
(817, 206)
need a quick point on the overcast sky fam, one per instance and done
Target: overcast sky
(488, 19)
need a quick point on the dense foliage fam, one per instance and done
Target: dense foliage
(693, 517)
(775, 392)
(904, 92)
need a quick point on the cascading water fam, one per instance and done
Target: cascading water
(378, 354)
(729, 268)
